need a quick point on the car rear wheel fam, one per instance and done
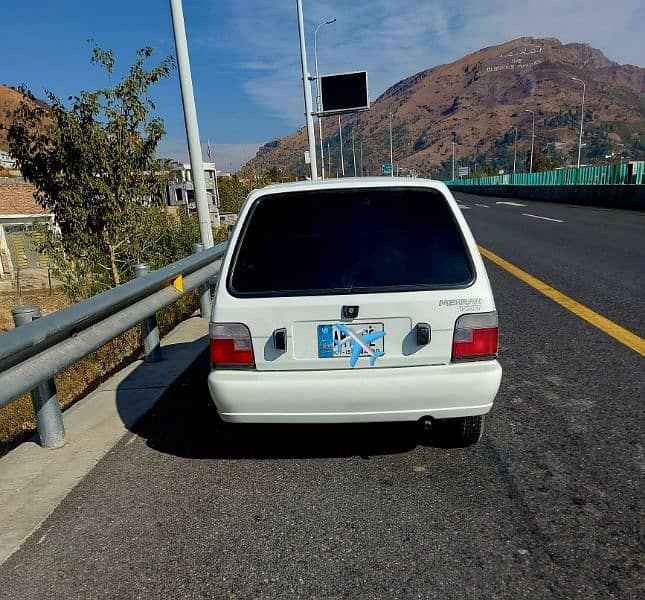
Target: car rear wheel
(459, 433)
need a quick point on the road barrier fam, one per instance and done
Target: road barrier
(631, 173)
(31, 354)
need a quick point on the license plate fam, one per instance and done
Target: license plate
(331, 344)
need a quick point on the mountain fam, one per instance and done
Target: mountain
(477, 101)
(10, 98)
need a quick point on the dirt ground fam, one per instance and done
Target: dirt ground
(48, 302)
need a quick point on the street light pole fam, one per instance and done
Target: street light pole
(306, 84)
(582, 116)
(190, 120)
(390, 115)
(515, 152)
(318, 95)
(328, 159)
(532, 137)
(342, 158)
(453, 160)
(354, 152)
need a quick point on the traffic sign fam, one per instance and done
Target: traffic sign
(463, 171)
(387, 169)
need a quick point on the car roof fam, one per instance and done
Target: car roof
(351, 183)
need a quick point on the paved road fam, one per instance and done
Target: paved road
(595, 255)
(548, 505)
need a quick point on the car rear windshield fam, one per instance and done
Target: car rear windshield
(349, 241)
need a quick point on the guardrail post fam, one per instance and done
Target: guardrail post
(44, 397)
(203, 290)
(150, 327)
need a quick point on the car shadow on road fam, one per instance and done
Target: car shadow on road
(185, 423)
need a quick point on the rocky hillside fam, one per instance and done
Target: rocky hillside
(477, 101)
(9, 100)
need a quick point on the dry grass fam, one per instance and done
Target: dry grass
(48, 302)
(17, 419)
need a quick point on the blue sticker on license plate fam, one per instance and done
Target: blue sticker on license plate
(335, 343)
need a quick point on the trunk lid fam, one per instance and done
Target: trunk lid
(398, 253)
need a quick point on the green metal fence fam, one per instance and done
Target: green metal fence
(620, 174)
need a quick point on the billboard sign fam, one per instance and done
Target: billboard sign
(344, 92)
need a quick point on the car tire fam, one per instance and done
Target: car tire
(461, 432)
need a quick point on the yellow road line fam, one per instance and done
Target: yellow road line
(624, 336)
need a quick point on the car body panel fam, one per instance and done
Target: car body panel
(356, 395)
(398, 311)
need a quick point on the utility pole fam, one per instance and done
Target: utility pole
(532, 136)
(582, 116)
(361, 158)
(390, 115)
(190, 120)
(342, 159)
(306, 84)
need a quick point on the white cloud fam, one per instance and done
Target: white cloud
(615, 28)
(395, 39)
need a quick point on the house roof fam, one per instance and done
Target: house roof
(18, 199)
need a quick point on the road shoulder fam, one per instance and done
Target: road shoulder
(33, 480)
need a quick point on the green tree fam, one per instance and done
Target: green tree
(545, 162)
(94, 166)
(541, 162)
(232, 193)
(278, 175)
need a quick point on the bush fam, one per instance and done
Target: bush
(157, 238)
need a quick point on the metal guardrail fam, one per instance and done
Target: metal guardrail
(620, 174)
(30, 355)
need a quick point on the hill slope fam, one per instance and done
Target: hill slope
(10, 98)
(477, 100)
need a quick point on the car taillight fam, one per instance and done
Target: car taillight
(231, 346)
(475, 337)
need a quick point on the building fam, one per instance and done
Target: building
(19, 213)
(181, 190)
(7, 161)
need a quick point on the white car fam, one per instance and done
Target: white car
(354, 300)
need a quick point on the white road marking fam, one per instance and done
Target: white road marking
(482, 205)
(545, 218)
(511, 203)
(464, 207)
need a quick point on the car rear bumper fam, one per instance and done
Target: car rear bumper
(355, 395)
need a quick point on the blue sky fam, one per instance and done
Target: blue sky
(245, 58)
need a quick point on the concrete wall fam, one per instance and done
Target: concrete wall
(610, 196)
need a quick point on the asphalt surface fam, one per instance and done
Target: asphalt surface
(548, 505)
(595, 255)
